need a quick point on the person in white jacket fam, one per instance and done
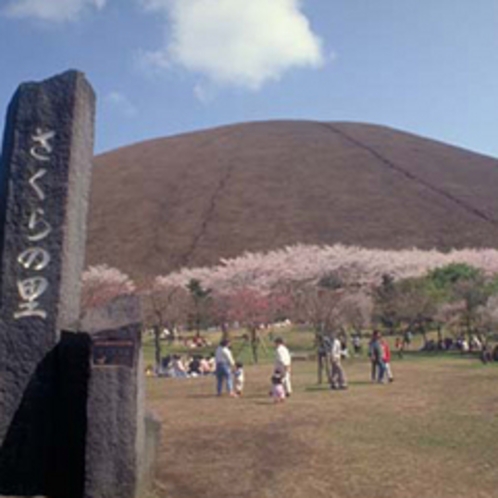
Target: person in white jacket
(337, 375)
(283, 364)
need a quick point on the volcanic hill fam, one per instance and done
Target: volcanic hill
(191, 199)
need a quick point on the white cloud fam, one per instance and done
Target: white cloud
(236, 42)
(121, 103)
(50, 10)
(153, 59)
(204, 93)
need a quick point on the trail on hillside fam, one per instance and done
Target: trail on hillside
(410, 176)
(208, 214)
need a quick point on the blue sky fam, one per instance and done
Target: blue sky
(163, 67)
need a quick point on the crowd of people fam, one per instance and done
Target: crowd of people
(230, 376)
(180, 367)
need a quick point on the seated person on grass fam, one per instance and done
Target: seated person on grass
(194, 366)
(178, 368)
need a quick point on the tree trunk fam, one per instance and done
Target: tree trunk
(424, 334)
(468, 324)
(157, 345)
(439, 333)
(254, 345)
(225, 332)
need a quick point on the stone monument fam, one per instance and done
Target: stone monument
(44, 186)
(72, 421)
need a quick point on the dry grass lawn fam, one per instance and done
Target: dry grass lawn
(433, 433)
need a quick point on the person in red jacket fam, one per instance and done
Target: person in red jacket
(386, 357)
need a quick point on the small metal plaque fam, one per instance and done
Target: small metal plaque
(113, 353)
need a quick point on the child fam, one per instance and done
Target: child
(386, 357)
(357, 344)
(238, 375)
(399, 345)
(277, 390)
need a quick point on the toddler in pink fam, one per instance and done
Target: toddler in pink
(277, 389)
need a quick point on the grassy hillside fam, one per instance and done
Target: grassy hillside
(191, 199)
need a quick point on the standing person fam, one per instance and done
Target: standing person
(337, 376)
(224, 364)
(386, 358)
(344, 347)
(485, 355)
(376, 357)
(399, 345)
(357, 344)
(407, 339)
(239, 378)
(277, 389)
(373, 360)
(283, 364)
(321, 356)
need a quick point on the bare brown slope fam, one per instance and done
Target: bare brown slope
(193, 198)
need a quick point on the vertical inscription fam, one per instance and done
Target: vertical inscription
(45, 169)
(34, 259)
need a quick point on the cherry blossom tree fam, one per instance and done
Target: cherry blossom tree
(253, 310)
(305, 263)
(101, 284)
(416, 304)
(488, 315)
(220, 313)
(474, 295)
(299, 272)
(317, 306)
(449, 314)
(356, 309)
(164, 307)
(201, 303)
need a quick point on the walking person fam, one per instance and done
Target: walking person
(337, 375)
(224, 365)
(283, 364)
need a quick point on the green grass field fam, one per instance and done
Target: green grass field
(432, 433)
(297, 340)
